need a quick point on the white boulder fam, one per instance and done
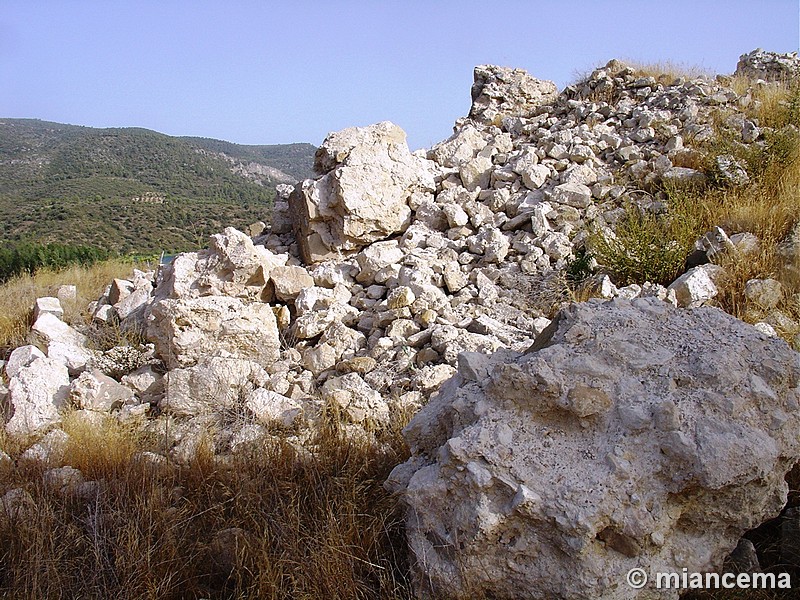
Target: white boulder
(631, 435)
(186, 330)
(368, 178)
(36, 392)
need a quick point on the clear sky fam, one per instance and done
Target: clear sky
(266, 72)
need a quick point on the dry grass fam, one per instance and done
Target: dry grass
(666, 72)
(310, 526)
(654, 247)
(770, 209)
(18, 295)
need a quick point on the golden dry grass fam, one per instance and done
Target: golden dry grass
(768, 207)
(316, 525)
(18, 295)
(666, 72)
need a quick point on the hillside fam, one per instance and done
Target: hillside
(131, 189)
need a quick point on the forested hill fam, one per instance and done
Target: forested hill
(131, 189)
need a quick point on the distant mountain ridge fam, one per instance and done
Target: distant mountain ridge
(133, 189)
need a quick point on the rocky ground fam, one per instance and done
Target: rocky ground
(551, 451)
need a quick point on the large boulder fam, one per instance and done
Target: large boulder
(231, 266)
(186, 330)
(459, 148)
(368, 178)
(62, 342)
(499, 92)
(97, 391)
(212, 385)
(632, 434)
(21, 357)
(36, 392)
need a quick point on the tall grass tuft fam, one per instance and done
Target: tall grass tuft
(270, 523)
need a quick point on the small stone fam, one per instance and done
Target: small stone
(696, 286)
(67, 293)
(290, 281)
(766, 293)
(47, 305)
(400, 296)
(358, 364)
(572, 194)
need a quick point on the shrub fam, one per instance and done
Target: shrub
(650, 247)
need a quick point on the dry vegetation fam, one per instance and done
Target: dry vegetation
(653, 247)
(666, 72)
(270, 523)
(18, 295)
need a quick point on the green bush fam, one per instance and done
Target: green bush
(650, 247)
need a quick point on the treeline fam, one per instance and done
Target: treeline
(28, 258)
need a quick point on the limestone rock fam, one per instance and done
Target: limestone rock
(368, 177)
(684, 176)
(49, 450)
(120, 289)
(231, 266)
(769, 66)
(375, 258)
(356, 400)
(499, 92)
(312, 323)
(144, 381)
(17, 508)
(534, 176)
(271, 408)
(476, 172)
(766, 293)
(696, 286)
(730, 171)
(49, 305)
(62, 342)
(213, 384)
(21, 357)
(186, 330)
(132, 307)
(36, 392)
(63, 480)
(97, 391)
(67, 293)
(572, 194)
(459, 148)
(632, 434)
(320, 358)
(290, 281)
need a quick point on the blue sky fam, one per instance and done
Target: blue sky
(279, 72)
